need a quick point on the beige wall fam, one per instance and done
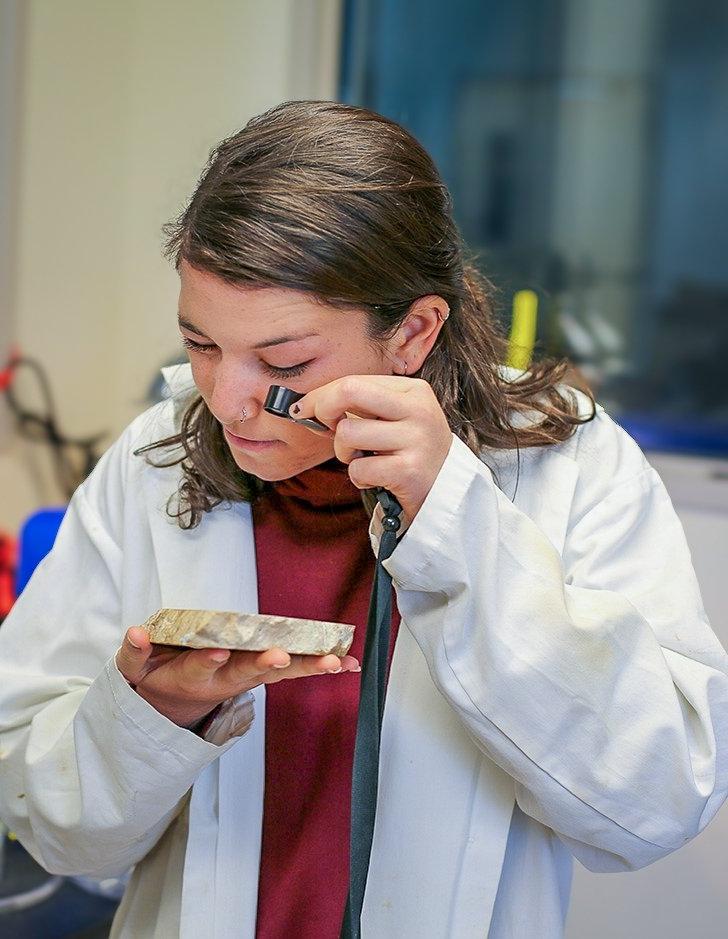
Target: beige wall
(121, 103)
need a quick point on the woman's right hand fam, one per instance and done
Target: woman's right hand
(187, 684)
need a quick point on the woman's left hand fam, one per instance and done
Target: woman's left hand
(397, 419)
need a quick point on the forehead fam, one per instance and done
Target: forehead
(206, 297)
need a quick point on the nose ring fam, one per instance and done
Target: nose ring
(244, 418)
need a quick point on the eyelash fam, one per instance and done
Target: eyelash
(291, 372)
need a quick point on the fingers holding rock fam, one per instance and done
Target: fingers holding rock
(255, 668)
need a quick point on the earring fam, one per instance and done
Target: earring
(443, 316)
(405, 367)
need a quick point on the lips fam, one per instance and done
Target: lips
(249, 443)
(250, 439)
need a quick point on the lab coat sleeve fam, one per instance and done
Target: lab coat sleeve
(590, 676)
(90, 773)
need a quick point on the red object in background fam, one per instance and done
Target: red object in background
(8, 372)
(8, 545)
(8, 559)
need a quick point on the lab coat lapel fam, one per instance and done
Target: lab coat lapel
(443, 805)
(209, 567)
(213, 567)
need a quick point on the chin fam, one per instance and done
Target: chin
(266, 470)
(272, 471)
(270, 474)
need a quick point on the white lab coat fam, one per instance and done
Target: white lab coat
(555, 690)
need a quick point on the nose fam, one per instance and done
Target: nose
(235, 389)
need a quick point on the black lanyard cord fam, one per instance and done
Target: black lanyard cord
(364, 782)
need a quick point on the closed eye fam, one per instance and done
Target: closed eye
(277, 371)
(197, 346)
(289, 371)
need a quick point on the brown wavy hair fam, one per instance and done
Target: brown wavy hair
(345, 204)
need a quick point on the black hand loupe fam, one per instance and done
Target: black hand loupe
(278, 401)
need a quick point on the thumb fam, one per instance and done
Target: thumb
(133, 654)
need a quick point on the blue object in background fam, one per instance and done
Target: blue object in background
(81, 908)
(35, 541)
(668, 435)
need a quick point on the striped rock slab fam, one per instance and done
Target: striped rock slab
(251, 632)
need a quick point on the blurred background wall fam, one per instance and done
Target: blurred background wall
(116, 106)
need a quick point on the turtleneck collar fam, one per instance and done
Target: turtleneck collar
(326, 484)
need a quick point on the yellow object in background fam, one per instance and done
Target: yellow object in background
(523, 329)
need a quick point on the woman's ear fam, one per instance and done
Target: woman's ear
(416, 336)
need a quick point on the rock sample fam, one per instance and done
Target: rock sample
(250, 632)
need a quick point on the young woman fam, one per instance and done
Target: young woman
(554, 687)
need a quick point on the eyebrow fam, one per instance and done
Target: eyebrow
(190, 327)
(277, 341)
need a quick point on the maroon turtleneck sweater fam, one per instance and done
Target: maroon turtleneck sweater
(314, 561)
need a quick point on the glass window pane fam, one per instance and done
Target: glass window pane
(586, 147)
